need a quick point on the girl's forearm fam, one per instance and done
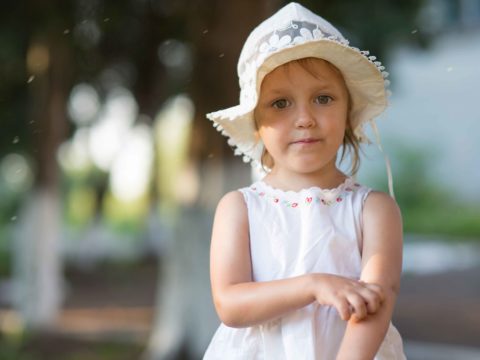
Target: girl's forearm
(251, 303)
(363, 339)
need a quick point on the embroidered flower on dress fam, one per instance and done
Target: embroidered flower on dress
(326, 198)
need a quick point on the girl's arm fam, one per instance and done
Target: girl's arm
(241, 302)
(381, 264)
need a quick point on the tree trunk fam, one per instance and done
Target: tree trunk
(37, 258)
(218, 30)
(185, 317)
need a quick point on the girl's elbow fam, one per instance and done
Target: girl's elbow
(228, 314)
(232, 322)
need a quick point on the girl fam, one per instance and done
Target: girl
(305, 263)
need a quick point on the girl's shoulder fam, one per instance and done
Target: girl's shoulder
(231, 211)
(232, 200)
(238, 199)
(380, 205)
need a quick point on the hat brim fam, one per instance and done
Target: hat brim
(362, 76)
(237, 123)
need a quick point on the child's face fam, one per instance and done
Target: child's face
(302, 114)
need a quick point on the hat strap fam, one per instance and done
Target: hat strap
(387, 160)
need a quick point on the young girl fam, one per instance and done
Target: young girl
(305, 263)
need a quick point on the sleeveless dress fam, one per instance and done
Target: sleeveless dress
(294, 233)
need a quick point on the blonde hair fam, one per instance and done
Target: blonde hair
(351, 143)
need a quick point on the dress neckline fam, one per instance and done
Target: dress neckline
(305, 197)
(348, 182)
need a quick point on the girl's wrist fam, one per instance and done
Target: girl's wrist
(312, 286)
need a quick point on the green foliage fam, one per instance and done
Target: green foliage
(80, 206)
(427, 206)
(454, 221)
(5, 259)
(126, 217)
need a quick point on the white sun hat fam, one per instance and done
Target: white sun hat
(292, 33)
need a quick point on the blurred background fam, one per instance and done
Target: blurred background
(110, 173)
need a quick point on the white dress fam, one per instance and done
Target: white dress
(294, 233)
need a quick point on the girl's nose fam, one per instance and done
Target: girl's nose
(304, 118)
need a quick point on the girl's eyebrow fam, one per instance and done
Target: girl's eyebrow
(278, 91)
(283, 90)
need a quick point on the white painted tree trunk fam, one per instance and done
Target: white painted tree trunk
(37, 262)
(184, 309)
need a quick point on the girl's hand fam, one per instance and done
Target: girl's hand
(352, 298)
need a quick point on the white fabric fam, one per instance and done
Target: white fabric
(292, 33)
(294, 233)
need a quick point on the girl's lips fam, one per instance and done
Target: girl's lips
(306, 141)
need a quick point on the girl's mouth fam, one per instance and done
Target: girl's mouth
(306, 141)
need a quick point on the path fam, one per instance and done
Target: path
(437, 315)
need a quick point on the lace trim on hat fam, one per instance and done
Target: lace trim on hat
(240, 149)
(294, 33)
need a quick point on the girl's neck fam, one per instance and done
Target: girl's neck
(291, 181)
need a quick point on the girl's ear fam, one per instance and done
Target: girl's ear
(257, 136)
(266, 160)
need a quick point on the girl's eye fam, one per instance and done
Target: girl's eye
(280, 104)
(323, 99)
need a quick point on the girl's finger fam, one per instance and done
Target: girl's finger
(343, 309)
(359, 306)
(371, 298)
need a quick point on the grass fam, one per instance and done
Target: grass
(51, 347)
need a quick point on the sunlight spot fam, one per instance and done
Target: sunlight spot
(173, 126)
(87, 33)
(175, 54)
(73, 155)
(83, 104)
(173, 120)
(38, 59)
(132, 169)
(16, 171)
(109, 133)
